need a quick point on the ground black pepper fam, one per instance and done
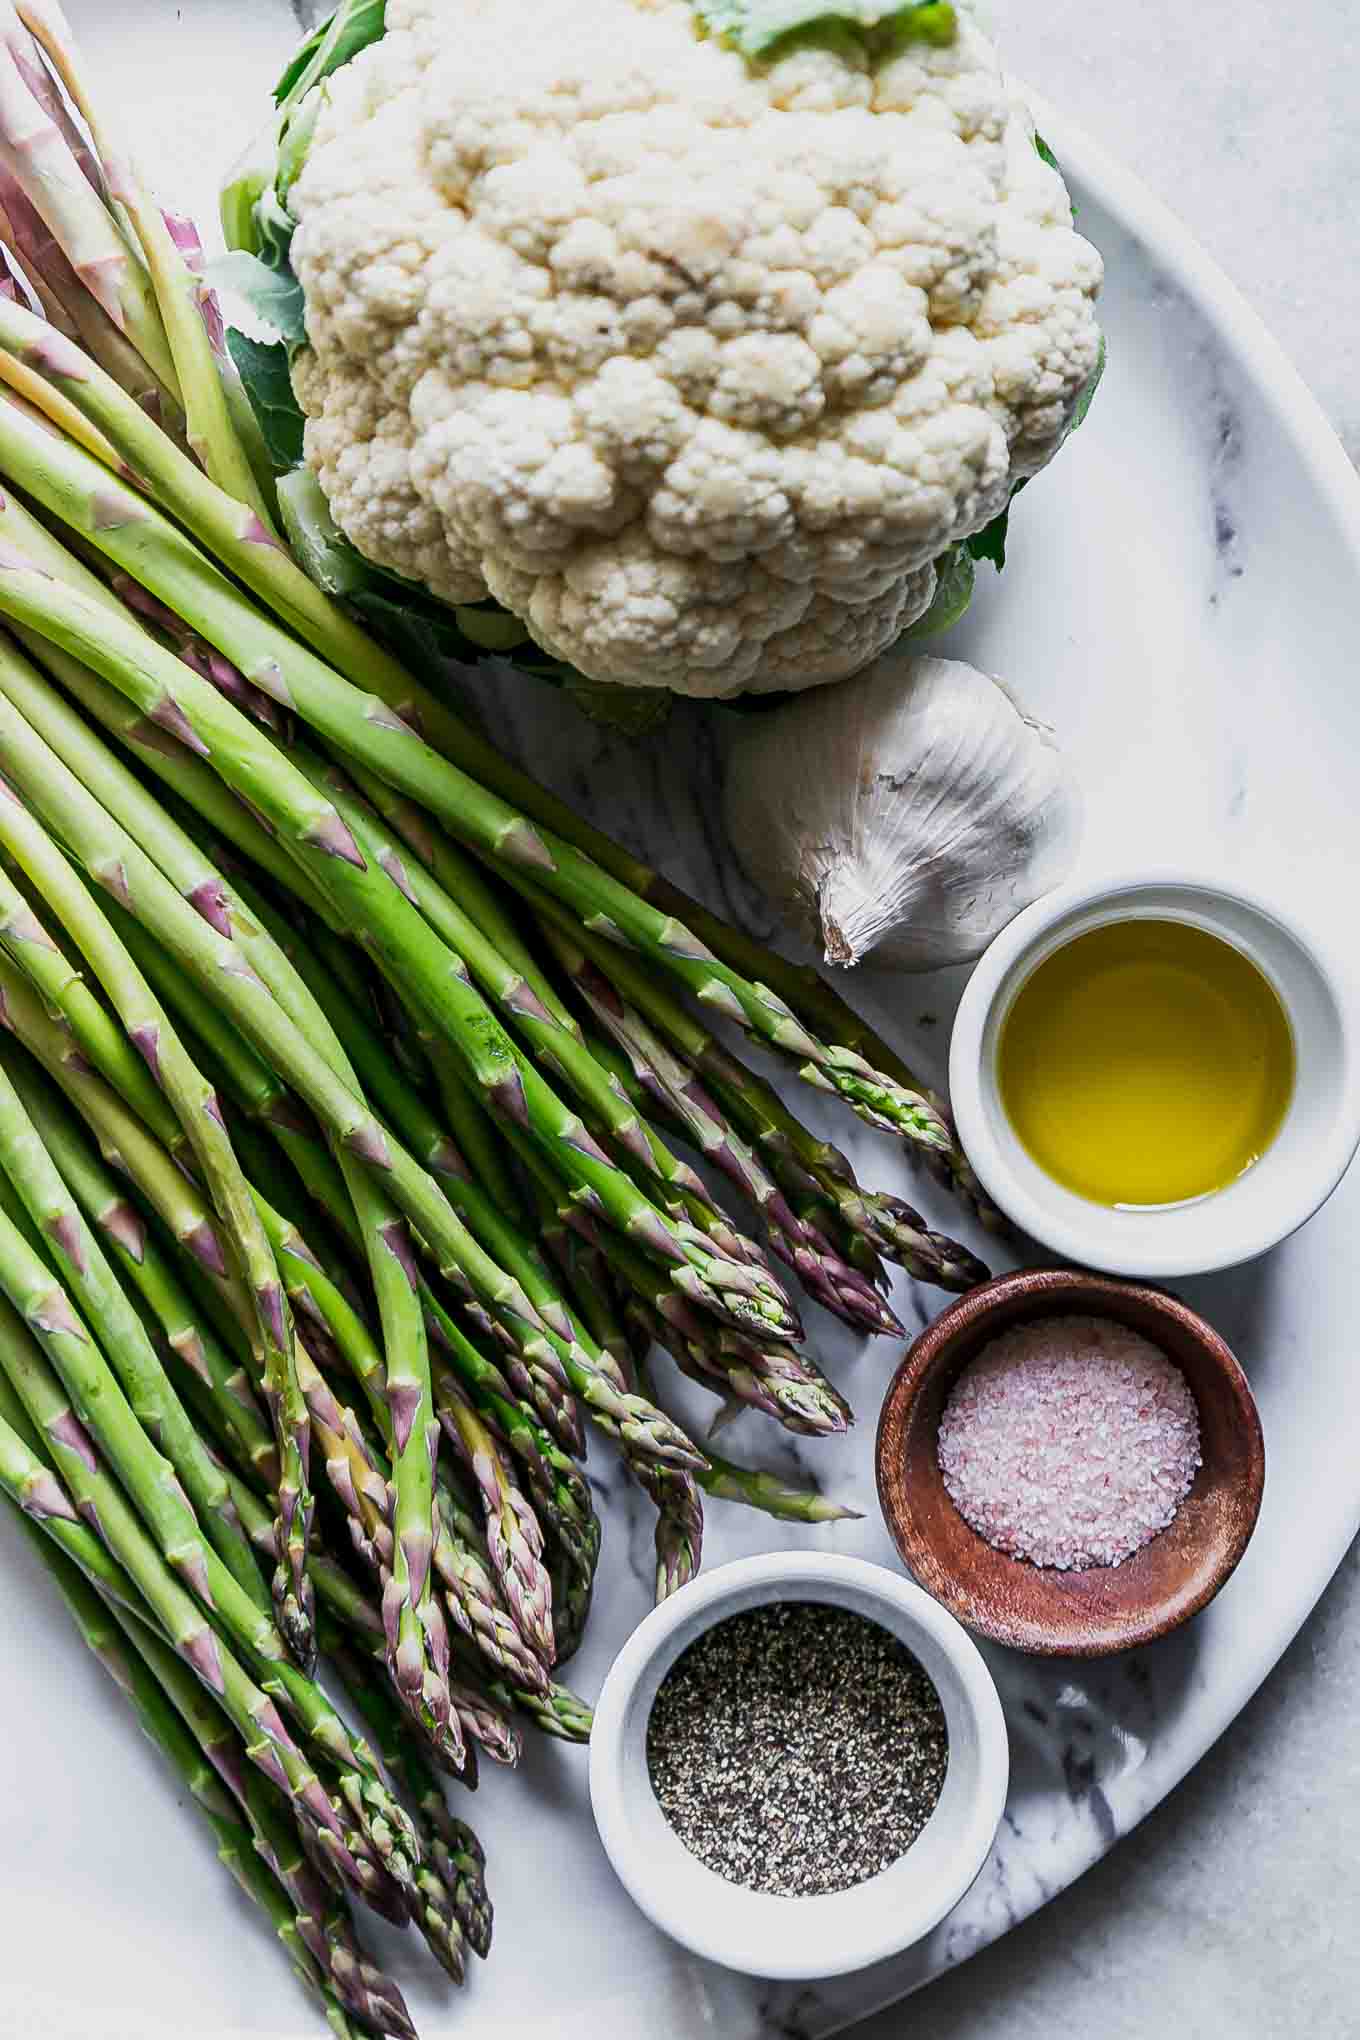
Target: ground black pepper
(797, 1748)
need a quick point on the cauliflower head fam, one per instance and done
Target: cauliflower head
(696, 365)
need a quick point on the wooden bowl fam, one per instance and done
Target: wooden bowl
(1109, 1608)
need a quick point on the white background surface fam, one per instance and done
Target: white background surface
(1232, 1911)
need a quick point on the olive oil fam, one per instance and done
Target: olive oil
(1146, 1063)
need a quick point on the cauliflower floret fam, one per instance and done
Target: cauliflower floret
(696, 365)
(361, 455)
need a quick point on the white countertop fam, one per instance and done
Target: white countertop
(1232, 1909)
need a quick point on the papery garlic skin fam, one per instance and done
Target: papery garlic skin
(913, 811)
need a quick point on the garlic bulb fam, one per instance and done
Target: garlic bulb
(912, 811)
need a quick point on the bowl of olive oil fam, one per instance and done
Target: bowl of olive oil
(1158, 1075)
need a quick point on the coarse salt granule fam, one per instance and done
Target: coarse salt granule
(1069, 1441)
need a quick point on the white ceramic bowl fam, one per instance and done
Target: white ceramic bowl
(754, 1931)
(1297, 1173)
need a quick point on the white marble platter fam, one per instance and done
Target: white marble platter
(1183, 601)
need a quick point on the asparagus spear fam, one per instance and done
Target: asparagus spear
(624, 987)
(470, 1593)
(123, 1558)
(74, 312)
(609, 1110)
(663, 1076)
(40, 161)
(349, 1462)
(188, 1333)
(32, 1181)
(212, 435)
(147, 1476)
(679, 1533)
(181, 1720)
(29, 941)
(450, 1845)
(785, 1384)
(142, 1667)
(722, 1479)
(418, 1642)
(514, 1538)
(147, 1026)
(558, 1712)
(538, 1371)
(176, 850)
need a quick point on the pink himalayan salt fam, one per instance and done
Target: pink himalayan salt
(1069, 1441)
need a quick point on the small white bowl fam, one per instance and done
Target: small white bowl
(753, 1931)
(1296, 1174)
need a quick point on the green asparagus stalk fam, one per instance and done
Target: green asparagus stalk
(539, 1372)
(496, 1230)
(181, 1720)
(363, 1789)
(754, 1488)
(675, 1087)
(122, 1559)
(348, 1608)
(39, 159)
(785, 1384)
(450, 1844)
(312, 1957)
(322, 1917)
(147, 1476)
(141, 1678)
(148, 1027)
(513, 1533)
(429, 973)
(470, 1594)
(32, 1485)
(472, 1133)
(607, 1107)
(487, 1721)
(558, 1712)
(722, 1479)
(348, 1458)
(350, 1464)
(74, 312)
(348, 1461)
(27, 938)
(584, 1268)
(75, 1253)
(188, 1332)
(414, 1612)
(437, 1910)
(178, 851)
(675, 1493)
(624, 1137)
(211, 432)
(417, 1638)
(795, 1156)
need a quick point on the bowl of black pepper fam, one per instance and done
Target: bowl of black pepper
(798, 1765)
